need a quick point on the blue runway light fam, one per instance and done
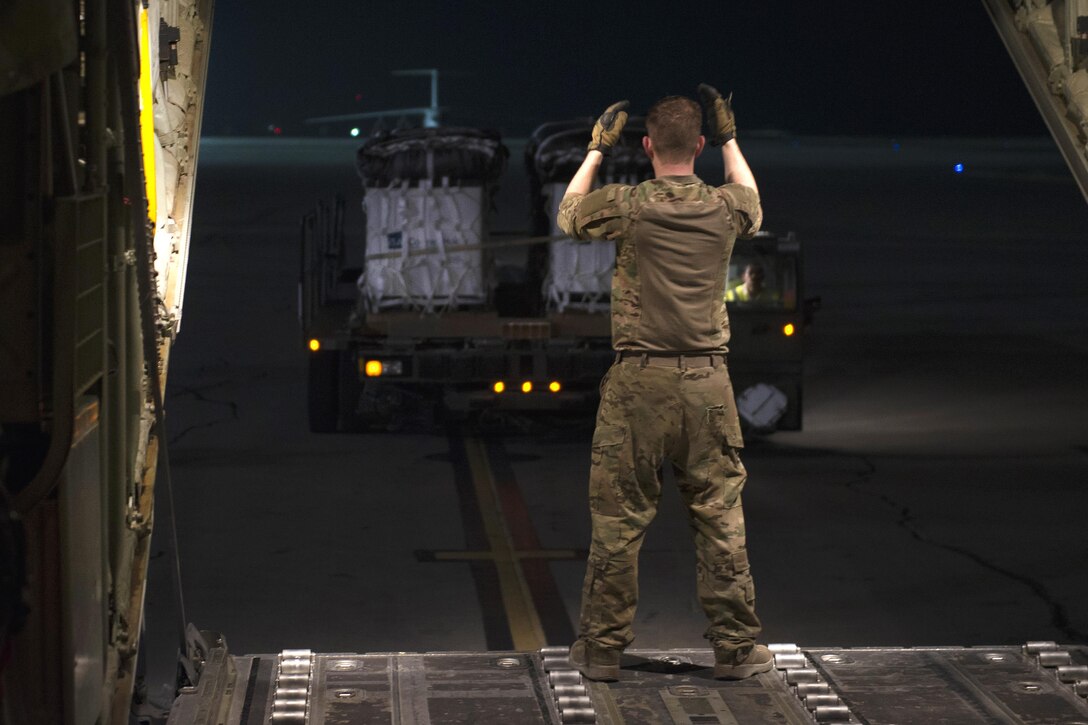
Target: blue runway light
(958, 168)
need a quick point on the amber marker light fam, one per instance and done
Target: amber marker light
(554, 386)
(315, 345)
(499, 387)
(373, 368)
(526, 387)
(789, 329)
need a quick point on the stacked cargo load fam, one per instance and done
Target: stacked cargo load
(579, 274)
(427, 193)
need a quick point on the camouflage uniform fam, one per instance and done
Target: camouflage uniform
(674, 236)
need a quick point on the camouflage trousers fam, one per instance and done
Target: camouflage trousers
(687, 417)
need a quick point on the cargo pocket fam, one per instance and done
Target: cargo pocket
(723, 420)
(742, 573)
(731, 424)
(605, 492)
(726, 474)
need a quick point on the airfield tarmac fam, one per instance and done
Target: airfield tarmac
(938, 494)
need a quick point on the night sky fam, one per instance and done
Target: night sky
(931, 68)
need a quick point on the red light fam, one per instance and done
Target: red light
(277, 130)
(358, 97)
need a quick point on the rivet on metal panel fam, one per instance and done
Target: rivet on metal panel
(790, 661)
(837, 659)
(995, 657)
(802, 675)
(509, 663)
(1054, 658)
(1029, 686)
(832, 713)
(344, 665)
(1036, 647)
(783, 649)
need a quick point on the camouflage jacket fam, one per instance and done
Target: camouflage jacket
(674, 236)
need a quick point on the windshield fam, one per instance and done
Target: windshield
(762, 280)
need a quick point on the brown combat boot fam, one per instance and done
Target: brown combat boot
(737, 664)
(594, 661)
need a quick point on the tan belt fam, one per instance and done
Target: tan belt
(672, 359)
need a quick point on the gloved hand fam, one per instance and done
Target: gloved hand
(606, 132)
(719, 115)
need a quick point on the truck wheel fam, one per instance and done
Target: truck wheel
(323, 392)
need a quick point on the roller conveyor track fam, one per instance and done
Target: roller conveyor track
(1040, 682)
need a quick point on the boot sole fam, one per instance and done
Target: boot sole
(741, 672)
(599, 673)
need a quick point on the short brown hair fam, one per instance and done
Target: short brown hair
(674, 124)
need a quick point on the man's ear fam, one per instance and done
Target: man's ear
(648, 147)
(700, 146)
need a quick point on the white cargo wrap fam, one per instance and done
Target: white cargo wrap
(579, 273)
(414, 240)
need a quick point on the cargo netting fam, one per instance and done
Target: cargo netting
(427, 192)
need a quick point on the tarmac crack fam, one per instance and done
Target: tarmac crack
(198, 394)
(906, 519)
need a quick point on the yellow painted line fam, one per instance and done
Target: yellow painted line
(525, 627)
(147, 117)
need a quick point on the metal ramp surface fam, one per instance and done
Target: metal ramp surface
(1041, 682)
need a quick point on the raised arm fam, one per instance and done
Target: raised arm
(605, 134)
(736, 167)
(586, 173)
(723, 132)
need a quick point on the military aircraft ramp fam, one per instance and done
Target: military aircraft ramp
(1040, 682)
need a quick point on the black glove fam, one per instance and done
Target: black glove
(719, 115)
(606, 132)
